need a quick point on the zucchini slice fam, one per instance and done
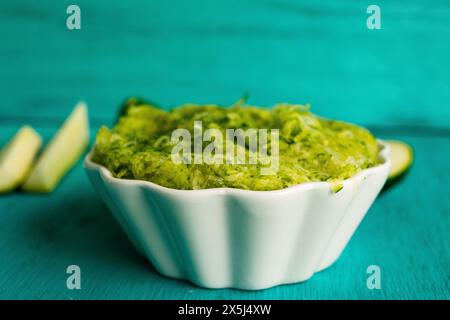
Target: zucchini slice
(401, 158)
(62, 152)
(17, 158)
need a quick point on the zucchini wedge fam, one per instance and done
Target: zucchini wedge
(402, 157)
(62, 152)
(17, 158)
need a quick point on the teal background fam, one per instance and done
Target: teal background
(396, 81)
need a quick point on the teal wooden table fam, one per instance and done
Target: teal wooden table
(395, 81)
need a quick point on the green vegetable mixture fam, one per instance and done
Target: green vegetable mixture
(139, 147)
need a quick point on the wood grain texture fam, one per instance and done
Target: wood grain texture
(214, 51)
(405, 233)
(395, 80)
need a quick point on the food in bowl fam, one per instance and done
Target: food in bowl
(239, 233)
(310, 148)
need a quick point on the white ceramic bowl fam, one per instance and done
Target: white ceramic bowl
(219, 238)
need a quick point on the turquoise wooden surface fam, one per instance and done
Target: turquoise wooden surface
(395, 80)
